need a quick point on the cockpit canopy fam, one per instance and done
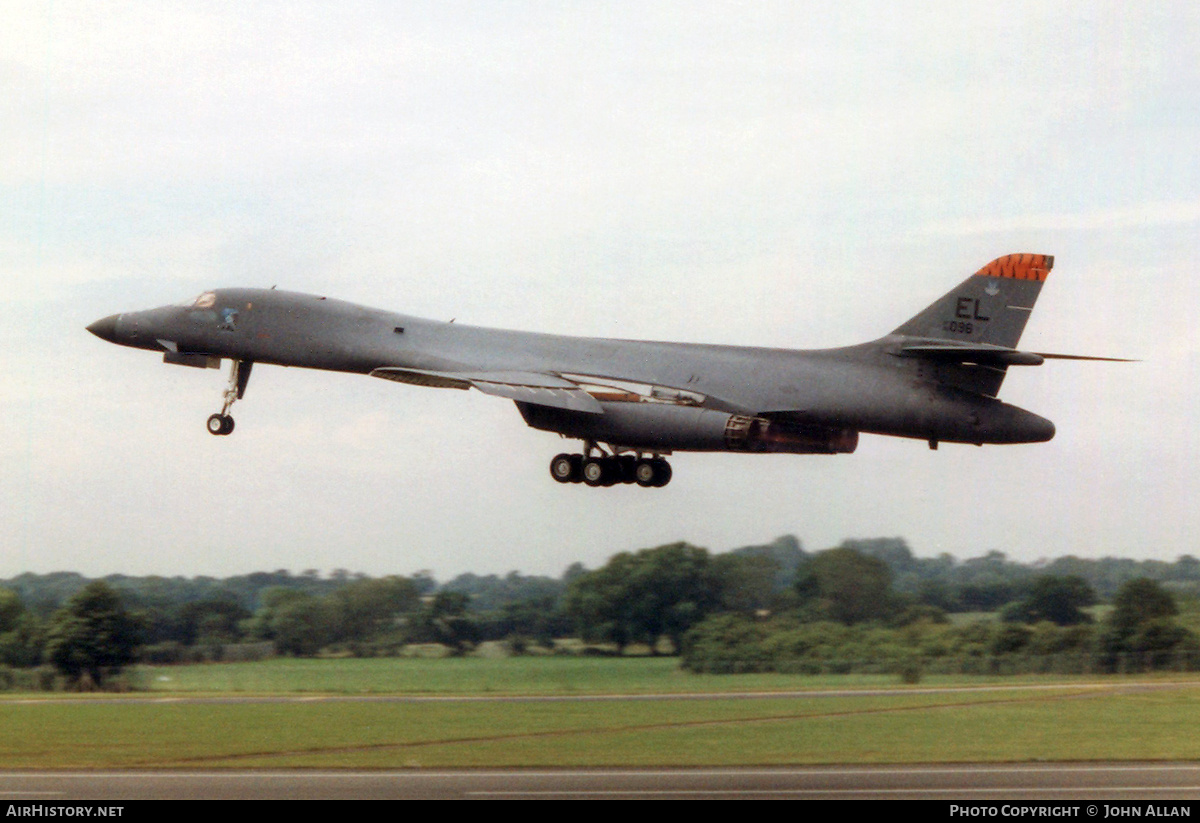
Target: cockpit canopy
(203, 301)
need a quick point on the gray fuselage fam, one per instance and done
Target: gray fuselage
(871, 388)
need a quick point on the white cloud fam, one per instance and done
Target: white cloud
(1138, 216)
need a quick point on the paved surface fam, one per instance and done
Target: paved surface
(1093, 783)
(1109, 686)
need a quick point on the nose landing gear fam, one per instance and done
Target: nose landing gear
(220, 424)
(239, 375)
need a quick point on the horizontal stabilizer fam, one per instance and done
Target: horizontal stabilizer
(986, 355)
(1049, 356)
(982, 354)
(528, 387)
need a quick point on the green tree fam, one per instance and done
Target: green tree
(368, 607)
(444, 620)
(299, 622)
(22, 645)
(1010, 638)
(641, 597)
(11, 608)
(846, 585)
(1060, 600)
(726, 644)
(1141, 633)
(1140, 601)
(214, 620)
(746, 582)
(785, 551)
(540, 619)
(93, 635)
(891, 550)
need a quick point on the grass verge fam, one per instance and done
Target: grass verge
(509, 676)
(1117, 721)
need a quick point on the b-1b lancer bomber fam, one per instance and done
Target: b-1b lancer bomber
(935, 378)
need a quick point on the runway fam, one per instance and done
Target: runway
(1090, 783)
(193, 699)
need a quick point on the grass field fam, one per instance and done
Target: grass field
(338, 714)
(462, 675)
(566, 675)
(488, 676)
(1079, 723)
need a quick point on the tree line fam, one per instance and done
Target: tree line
(775, 606)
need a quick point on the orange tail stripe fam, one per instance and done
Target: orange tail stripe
(1019, 267)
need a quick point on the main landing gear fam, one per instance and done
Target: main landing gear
(608, 470)
(239, 376)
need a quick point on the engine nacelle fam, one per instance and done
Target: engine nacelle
(758, 434)
(664, 427)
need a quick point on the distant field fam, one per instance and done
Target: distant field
(414, 675)
(1079, 723)
(566, 675)
(354, 714)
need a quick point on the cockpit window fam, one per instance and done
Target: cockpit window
(204, 301)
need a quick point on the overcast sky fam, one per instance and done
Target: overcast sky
(779, 174)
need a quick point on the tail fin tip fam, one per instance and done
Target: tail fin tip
(1019, 267)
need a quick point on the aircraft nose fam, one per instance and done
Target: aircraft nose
(106, 328)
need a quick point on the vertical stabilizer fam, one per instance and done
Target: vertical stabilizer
(990, 307)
